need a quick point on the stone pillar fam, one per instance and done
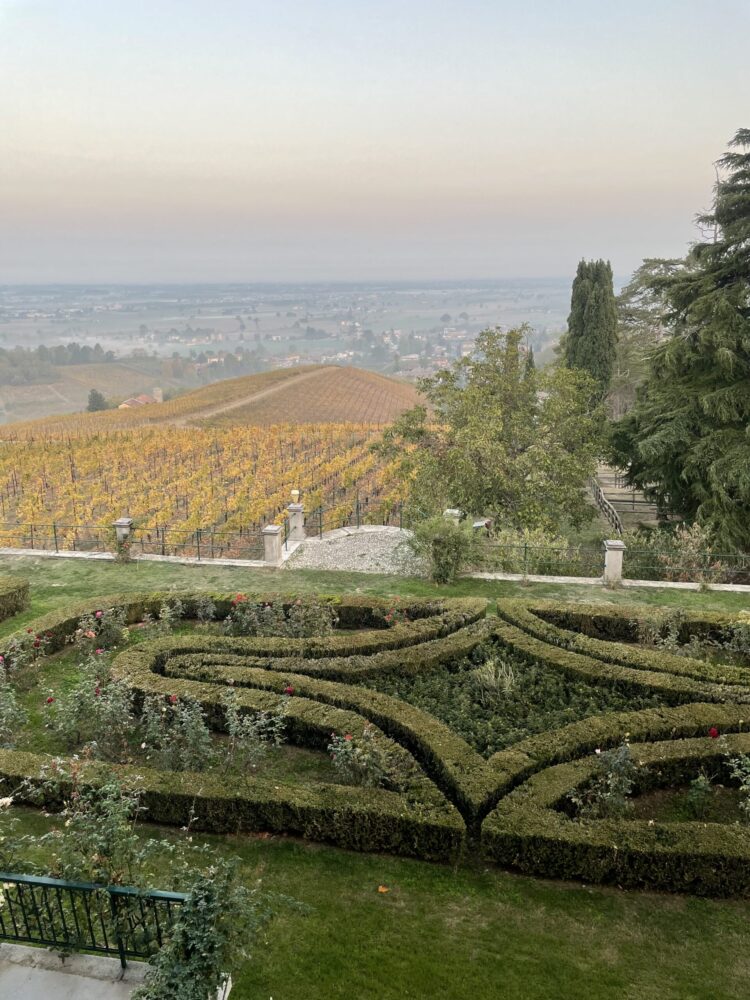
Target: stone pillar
(296, 512)
(613, 551)
(272, 539)
(452, 514)
(123, 526)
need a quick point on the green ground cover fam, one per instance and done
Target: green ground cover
(439, 930)
(535, 700)
(455, 933)
(55, 582)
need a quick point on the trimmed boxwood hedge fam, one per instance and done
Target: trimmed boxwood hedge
(14, 596)
(432, 620)
(548, 622)
(530, 832)
(456, 768)
(647, 672)
(362, 819)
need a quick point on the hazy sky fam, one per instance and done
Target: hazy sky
(348, 139)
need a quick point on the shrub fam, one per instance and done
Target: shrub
(358, 761)
(608, 792)
(302, 619)
(204, 609)
(251, 736)
(12, 715)
(680, 554)
(96, 711)
(448, 547)
(494, 679)
(14, 597)
(215, 928)
(739, 769)
(699, 795)
(175, 734)
(100, 629)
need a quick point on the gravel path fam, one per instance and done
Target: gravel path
(370, 549)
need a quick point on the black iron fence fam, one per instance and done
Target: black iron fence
(200, 543)
(356, 514)
(70, 917)
(540, 560)
(203, 543)
(685, 565)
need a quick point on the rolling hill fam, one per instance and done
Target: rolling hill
(313, 394)
(324, 395)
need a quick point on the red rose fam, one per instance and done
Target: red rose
(289, 689)
(348, 737)
(97, 691)
(37, 643)
(713, 733)
(173, 699)
(50, 700)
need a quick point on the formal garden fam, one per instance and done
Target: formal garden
(162, 737)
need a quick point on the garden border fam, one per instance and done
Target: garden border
(527, 831)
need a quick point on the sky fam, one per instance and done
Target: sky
(350, 140)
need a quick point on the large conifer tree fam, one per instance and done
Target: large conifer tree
(687, 440)
(591, 341)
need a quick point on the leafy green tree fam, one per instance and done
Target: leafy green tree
(96, 402)
(500, 439)
(686, 440)
(591, 342)
(640, 327)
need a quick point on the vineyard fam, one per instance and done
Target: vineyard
(218, 463)
(313, 394)
(340, 395)
(232, 479)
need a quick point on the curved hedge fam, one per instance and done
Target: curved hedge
(363, 819)
(432, 621)
(529, 831)
(14, 596)
(454, 766)
(676, 679)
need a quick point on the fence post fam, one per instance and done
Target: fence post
(613, 552)
(118, 929)
(123, 526)
(296, 512)
(272, 555)
(54, 532)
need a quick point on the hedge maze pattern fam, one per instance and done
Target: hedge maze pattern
(509, 808)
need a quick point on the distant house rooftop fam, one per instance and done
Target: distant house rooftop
(134, 401)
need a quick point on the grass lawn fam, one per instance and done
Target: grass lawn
(441, 932)
(473, 933)
(55, 582)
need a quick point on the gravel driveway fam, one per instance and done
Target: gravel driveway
(370, 549)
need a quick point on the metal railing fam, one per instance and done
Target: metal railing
(356, 514)
(78, 916)
(541, 560)
(685, 567)
(200, 543)
(605, 506)
(203, 543)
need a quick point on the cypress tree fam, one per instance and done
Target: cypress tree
(687, 440)
(591, 342)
